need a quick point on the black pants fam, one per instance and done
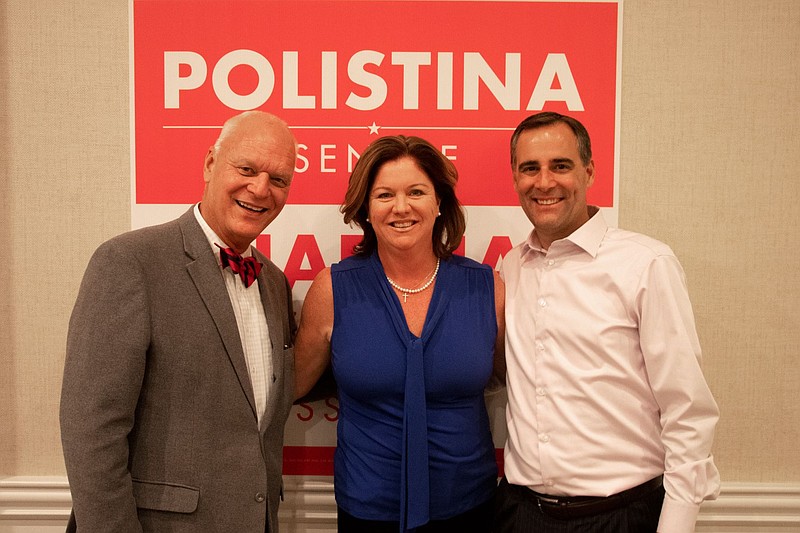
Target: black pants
(517, 512)
(476, 520)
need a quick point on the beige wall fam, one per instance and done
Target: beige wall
(710, 150)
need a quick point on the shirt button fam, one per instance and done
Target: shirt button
(544, 438)
(542, 302)
(260, 497)
(549, 482)
(541, 391)
(540, 346)
(550, 262)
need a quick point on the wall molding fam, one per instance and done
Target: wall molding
(36, 504)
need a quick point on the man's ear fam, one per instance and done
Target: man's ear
(208, 164)
(590, 173)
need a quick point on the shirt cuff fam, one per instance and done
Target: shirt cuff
(677, 517)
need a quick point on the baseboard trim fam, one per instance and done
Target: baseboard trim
(34, 498)
(309, 506)
(749, 507)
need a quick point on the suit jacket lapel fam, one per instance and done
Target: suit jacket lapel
(271, 296)
(205, 273)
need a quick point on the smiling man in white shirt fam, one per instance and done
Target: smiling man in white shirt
(610, 420)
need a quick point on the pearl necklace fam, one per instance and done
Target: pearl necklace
(406, 292)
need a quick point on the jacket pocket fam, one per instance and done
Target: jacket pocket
(161, 496)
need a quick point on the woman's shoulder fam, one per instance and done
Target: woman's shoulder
(350, 263)
(461, 261)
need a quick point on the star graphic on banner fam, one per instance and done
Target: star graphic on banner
(373, 128)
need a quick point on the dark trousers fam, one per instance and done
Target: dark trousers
(476, 520)
(516, 511)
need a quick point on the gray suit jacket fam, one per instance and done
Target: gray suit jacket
(158, 419)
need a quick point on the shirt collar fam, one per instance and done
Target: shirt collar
(213, 238)
(587, 237)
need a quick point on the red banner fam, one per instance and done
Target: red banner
(341, 73)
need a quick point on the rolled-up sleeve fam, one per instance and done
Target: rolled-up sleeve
(689, 413)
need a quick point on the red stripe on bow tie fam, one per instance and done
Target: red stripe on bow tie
(247, 267)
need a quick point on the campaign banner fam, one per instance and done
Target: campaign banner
(461, 74)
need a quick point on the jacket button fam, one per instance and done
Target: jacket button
(260, 497)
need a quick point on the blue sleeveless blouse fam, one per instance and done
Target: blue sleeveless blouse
(413, 434)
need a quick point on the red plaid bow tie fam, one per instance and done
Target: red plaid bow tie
(247, 267)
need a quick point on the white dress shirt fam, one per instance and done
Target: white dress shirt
(251, 320)
(605, 389)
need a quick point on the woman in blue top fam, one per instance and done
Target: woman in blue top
(413, 334)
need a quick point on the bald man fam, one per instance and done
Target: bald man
(179, 371)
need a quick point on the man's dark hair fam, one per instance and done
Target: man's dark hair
(547, 118)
